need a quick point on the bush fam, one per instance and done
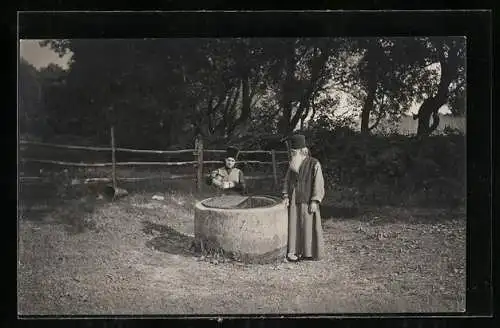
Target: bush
(393, 170)
(380, 169)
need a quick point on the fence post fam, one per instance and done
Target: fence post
(199, 171)
(113, 159)
(273, 154)
(287, 149)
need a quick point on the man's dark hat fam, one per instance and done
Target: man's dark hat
(297, 141)
(232, 152)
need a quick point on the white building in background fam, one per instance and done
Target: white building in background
(408, 126)
(349, 107)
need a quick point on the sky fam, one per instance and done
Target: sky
(41, 57)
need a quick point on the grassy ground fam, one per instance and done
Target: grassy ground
(132, 256)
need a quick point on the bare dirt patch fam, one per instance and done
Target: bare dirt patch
(133, 256)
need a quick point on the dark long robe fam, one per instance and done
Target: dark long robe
(305, 232)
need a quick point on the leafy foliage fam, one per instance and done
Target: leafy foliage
(163, 93)
(30, 99)
(392, 169)
(225, 88)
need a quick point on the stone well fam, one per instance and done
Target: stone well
(254, 229)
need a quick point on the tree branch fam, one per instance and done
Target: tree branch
(286, 102)
(381, 113)
(435, 122)
(221, 127)
(316, 69)
(231, 123)
(210, 115)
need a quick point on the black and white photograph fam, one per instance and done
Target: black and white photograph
(242, 175)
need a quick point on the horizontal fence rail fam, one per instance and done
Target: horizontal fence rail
(269, 152)
(47, 161)
(246, 162)
(92, 180)
(145, 151)
(168, 177)
(44, 144)
(197, 164)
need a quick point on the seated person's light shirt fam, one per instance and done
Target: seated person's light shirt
(228, 178)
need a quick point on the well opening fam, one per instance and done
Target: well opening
(240, 202)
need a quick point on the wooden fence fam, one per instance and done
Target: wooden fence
(198, 161)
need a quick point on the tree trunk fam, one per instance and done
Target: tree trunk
(424, 117)
(368, 105)
(371, 90)
(231, 119)
(285, 126)
(245, 105)
(227, 111)
(428, 109)
(305, 101)
(173, 129)
(381, 114)
(245, 101)
(430, 106)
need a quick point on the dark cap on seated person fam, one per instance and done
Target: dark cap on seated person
(232, 152)
(297, 141)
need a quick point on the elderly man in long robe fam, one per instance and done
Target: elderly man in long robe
(303, 192)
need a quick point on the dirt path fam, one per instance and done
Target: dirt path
(135, 259)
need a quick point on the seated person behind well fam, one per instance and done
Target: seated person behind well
(228, 178)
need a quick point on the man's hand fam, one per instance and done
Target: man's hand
(313, 206)
(286, 201)
(228, 185)
(217, 180)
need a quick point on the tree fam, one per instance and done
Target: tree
(386, 75)
(30, 99)
(168, 91)
(111, 81)
(373, 70)
(450, 54)
(233, 81)
(300, 74)
(53, 97)
(52, 73)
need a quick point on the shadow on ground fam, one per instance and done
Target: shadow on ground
(169, 240)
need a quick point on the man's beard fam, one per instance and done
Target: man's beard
(296, 161)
